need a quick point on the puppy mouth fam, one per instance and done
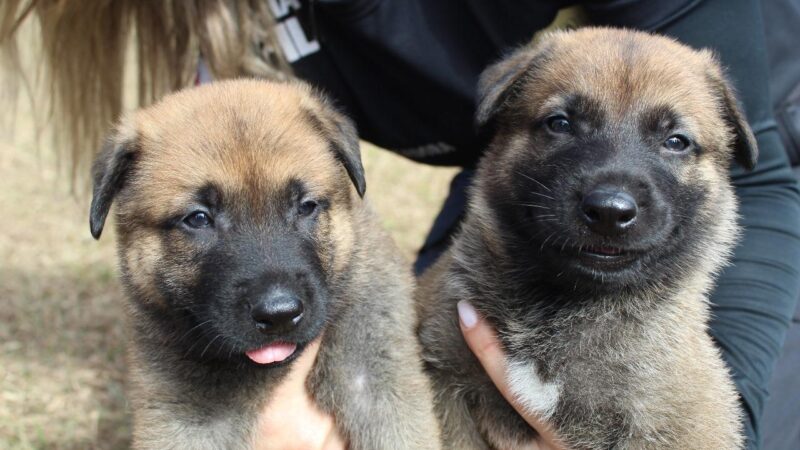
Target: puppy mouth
(273, 353)
(603, 252)
(606, 258)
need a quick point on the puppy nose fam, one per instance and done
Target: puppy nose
(609, 211)
(276, 312)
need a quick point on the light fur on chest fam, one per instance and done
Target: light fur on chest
(531, 392)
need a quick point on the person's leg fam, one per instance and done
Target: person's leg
(781, 419)
(446, 222)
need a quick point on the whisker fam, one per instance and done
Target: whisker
(547, 239)
(192, 329)
(221, 344)
(209, 345)
(534, 205)
(534, 180)
(205, 333)
(230, 352)
(542, 195)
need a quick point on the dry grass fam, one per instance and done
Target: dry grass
(62, 338)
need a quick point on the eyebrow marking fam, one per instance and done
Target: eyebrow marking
(209, 195)
(661, 117)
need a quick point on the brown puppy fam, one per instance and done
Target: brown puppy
(597, 221)
(243, 237)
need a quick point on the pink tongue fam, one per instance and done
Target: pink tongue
(272, 353)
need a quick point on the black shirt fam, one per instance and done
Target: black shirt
(406, 71)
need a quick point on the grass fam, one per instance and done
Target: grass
(62, 332)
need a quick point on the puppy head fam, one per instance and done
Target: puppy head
(235, 215)
(609, 155)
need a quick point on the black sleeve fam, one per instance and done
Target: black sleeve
(755, 297)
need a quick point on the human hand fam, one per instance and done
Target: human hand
(291, 420)
(483, 342)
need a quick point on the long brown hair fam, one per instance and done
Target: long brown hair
(87, 45)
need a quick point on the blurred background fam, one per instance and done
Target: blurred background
(62, 324)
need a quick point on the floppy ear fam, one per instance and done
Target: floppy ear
(342, 134)
(109, 171)
(745, 147)
(345, 145)
(498, 83)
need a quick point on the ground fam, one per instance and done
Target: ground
(62, 327)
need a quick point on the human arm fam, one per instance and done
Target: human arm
(291, 419)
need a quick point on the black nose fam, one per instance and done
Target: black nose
(278, 311)
(608, 210)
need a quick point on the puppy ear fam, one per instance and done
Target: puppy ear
(744, 144)
(499, 82)
(347, 149)
(342, 134)
(109, 171)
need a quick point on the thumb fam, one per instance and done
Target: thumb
(483, 342)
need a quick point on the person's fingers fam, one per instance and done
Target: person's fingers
(483, 342)
(302, 366)
(295, 382)
(291, 419)
(334, 441)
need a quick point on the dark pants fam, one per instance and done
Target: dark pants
(781, 419)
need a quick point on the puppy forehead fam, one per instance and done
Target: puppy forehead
(623, 71)
(238, 139)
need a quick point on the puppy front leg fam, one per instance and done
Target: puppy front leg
(459, 430)
(377, 392)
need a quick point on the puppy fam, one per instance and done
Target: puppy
(242, 236)
(598, 218)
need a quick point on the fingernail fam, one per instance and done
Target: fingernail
(467, 314)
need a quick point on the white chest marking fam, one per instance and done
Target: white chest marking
(531, 392)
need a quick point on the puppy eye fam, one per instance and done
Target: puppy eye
(198, 219)
(559, 124)
(676, 143)
(307, 208)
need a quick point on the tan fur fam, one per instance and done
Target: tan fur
(249, 139)
(655, 364)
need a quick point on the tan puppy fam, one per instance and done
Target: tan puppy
(597, 221)
(243, 237)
